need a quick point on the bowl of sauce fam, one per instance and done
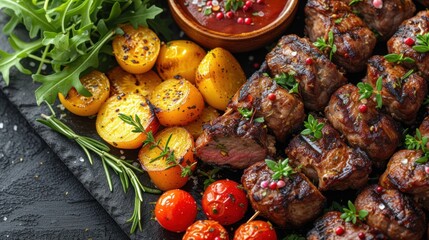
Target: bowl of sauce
(236, 25)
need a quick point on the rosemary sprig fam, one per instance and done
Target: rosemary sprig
(422, 43)
(166, 152)
(398, 58)
(281, 168)
(366, 91)
(350, 214)
(322, 44)
(418, 143)
(313, 128)
(124, 169)
(287, 81)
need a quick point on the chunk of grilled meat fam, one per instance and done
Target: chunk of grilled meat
(383, 21)
(417, 25)
(324, 229)
(393, 213)
(328, 161)
(404, 174)
(293, 205)
(283, 115)
(317, 76)
(353, 40)
(375, 133)
(232, 140)
(402, 95)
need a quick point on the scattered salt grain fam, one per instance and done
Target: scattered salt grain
(61, 107)
(1, 125)
(5, 219)
(381, 206)
(123, 157)
(63, 115)
(44, 66)
(404, 161)
(32, 64)
(251, 58)
(135, 164)
(81, 159)
(121, 152)
(66, 193)
(181, 34)
(293, 53)
(15, 128)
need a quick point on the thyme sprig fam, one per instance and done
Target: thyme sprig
(350, 215)
(322, 45)
(366, 91)
(233, 5)
(313, 128)
(422, 43)
(124, 169)
(418, 142)
(249, 115)
(281, 168)
(287, 81)
(398, 58)
(166, 152)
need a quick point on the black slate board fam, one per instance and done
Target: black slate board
(117, 203)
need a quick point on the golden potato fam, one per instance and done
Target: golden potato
(196, 127)
(218, 77)
(179, 59)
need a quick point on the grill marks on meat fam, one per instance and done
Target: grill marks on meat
(317, 81)
(402, 98)
(375, 133)
(353, 39)
(404, 174)
(329, 161)
(324, 229)
(291, 206)
(231, 140)
(418, 24)
(283, 115)
(385, 20)
(393, 213)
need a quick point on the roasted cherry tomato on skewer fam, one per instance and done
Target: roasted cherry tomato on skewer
(224, 201)
(204, 230)
(255, 230)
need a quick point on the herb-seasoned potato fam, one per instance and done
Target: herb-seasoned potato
(164, 173)
(98, 85)
(137, 49)
(218, 77)
(196, 127)
(177, 102)
(125, 82)
(118, 133)
(179, 59)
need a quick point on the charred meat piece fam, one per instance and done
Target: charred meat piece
(410, 29)
(293, 205)
(385, 19)
(328, 161)
(232, 140)
(283, 113)
(424, 128)
(352, 38)
(404, 174)
(324, 229)
(403, 90)
(317, 76)
(375, 133)
(392, 212)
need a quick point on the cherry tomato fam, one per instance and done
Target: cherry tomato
(176, 210)
(255, 230)
(205, 229)
(225, 202)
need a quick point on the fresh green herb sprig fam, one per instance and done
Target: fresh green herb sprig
(166, 152)
(249, 114)
(366, 91)
(422, 43)
(287, 81)
(403, 78)
(123, 168)
(398, 58)
(353, 2)
(418, 143)
(281, 168)
(70, 37)
(210, 176)
(233, 5)
(350, 215)
(313, 128)
(323, 45)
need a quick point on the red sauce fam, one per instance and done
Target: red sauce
(244, 19)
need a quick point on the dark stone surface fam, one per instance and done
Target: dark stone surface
(39, 197)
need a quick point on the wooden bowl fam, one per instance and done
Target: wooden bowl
(242, 42)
